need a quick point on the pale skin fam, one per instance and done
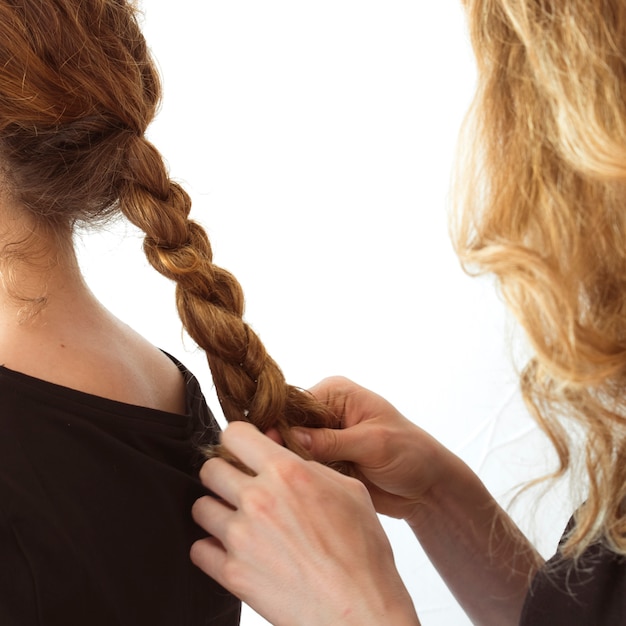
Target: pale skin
(72, 340)
(303, 567)
(303, 546)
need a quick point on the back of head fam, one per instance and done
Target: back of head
(77, 91)
(542, 204)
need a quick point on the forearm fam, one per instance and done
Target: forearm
(480, 553)
(482, 556)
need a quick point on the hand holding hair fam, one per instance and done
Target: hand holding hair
(298, 531)
(412, 476)
(299, 542)
(398, 461)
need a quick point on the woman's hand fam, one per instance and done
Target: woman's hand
(298, 542)
(398, 461)
(484, 558)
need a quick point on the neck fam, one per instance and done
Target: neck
(41, 280)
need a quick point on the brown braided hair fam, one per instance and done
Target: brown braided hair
(78, 89)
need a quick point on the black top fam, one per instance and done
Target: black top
(591, 592)
(95, 500)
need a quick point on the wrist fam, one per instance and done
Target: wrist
(450, 478)
(371, 595)
(398, 611)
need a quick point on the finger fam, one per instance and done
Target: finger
(223, 479)
(351, 403)
(251, 446)
(333, 392)
(209, 555)
(212, 515)
(274, 435)
(330, 444)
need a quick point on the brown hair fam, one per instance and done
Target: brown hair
(542, 205)
(78, 89)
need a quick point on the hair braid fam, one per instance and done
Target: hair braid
(210, 302)
(78, 90)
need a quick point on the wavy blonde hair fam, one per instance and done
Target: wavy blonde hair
(542, 205)
(78, 89)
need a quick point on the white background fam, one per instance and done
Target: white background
(317, 139)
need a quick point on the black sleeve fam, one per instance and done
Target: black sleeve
(588, 592)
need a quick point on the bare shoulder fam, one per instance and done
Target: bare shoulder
(103, 357)
(144, 374)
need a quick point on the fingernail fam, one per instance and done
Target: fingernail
(302, 437)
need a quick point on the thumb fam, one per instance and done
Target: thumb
(326, 444)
